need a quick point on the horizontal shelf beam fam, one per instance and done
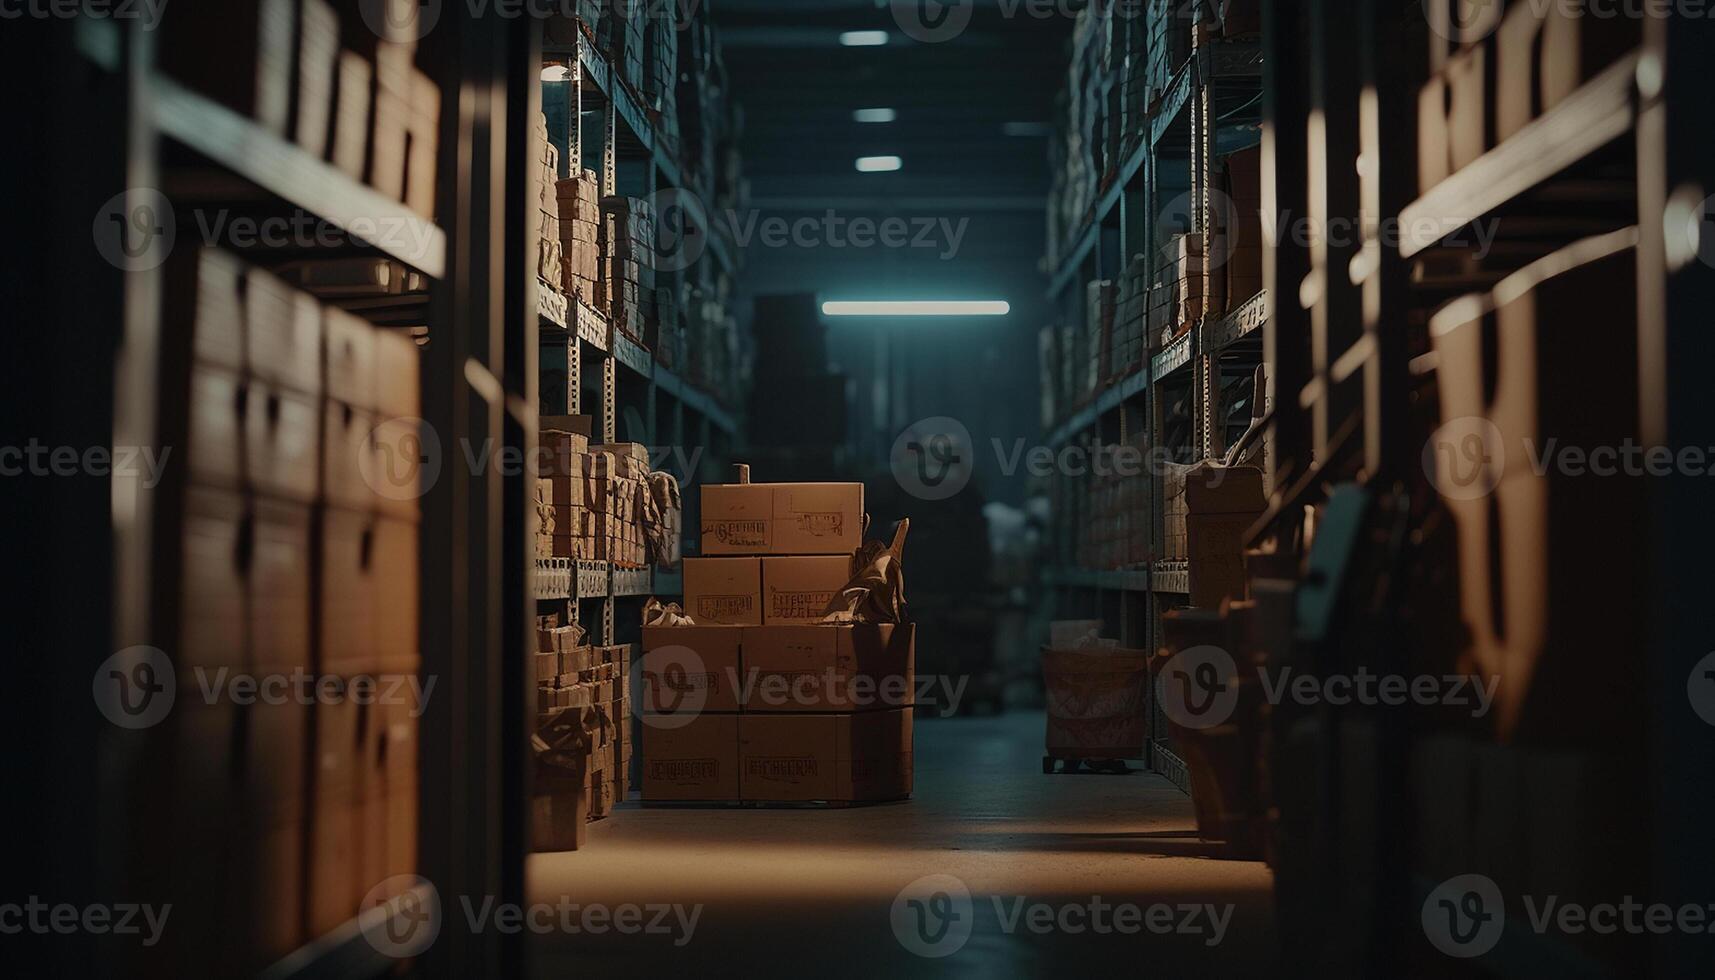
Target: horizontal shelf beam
(1604, 109)
(284, 169)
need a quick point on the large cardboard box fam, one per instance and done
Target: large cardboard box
(690, 668)
(693, 761)
(796, 589)
(857, 667)
(782, 518)
(724, 590)
(825, 757)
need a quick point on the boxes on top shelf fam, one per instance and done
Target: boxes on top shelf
(782, 518)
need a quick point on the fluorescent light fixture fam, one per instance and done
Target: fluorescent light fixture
(875, 115)
(863, 39)
(879, 165)
(916, 307)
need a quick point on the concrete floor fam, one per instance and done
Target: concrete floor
(803, 892)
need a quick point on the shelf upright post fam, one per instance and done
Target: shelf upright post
(1285, 177)
(573, 160)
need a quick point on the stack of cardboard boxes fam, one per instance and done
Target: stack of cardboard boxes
(589, 500)
(360, 100)
(620, 33)
(760, 701)
(1099, 299)
(1505, 66)
(583, 745)
(1131, 317)
(1115, 529)
(292, 518)
(579, 204)
(1177, 301)
(1240, 249)
(627, 269)
(549, 228)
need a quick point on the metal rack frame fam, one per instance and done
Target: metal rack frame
(602, 362)
(1122, 223)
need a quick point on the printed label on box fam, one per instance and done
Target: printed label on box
(786, 770)
(722, 607)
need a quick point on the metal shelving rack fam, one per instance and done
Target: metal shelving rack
(1356, 379)
(478, 383)
(1208, 111)
(606, 372)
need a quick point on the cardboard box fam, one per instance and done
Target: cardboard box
(724, 590)
(782, 518)
(825, 757)
(281, 442)
(1470, 125)
(858, 667)
(796, 589)
(690, 668)
(279, 586)
(695, 761)
(334, 886)
(213, 629)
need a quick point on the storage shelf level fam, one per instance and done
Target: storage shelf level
(287, 171)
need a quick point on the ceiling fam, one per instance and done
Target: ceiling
(799, 86)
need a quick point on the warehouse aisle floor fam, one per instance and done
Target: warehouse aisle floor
(805, 892)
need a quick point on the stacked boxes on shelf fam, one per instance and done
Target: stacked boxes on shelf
(1131, 317)
(564, 528)
(620, 34)
(618, 481)
(594, 503)
(1048, 359)
(1170, 24)
(578, 199)
(1515, 63)
(294, 526)
(1115, 531)
(1177, 301)
(627, 271)
(1240, 251)
(760, 700)
(360, 100)
(590, 501)
(550, 265)
(1099, 299)
(661, 72)
(583, 746)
